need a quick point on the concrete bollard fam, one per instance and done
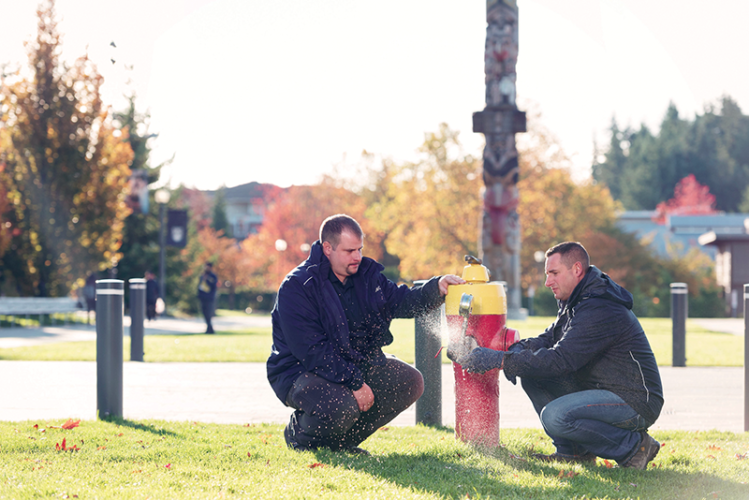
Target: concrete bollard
(679, 313)
(746, 358)
(137, 313)
(110, 302)
(428, 343)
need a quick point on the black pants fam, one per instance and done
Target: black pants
(207, 306)
(328, 416)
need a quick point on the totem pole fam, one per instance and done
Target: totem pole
(499, 242)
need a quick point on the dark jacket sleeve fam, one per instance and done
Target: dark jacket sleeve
(307, 339)
(584, 336)
(419, 299)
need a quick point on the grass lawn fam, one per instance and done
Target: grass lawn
(704, 348)
(155, 459)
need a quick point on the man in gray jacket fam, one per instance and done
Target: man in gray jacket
(591, 376)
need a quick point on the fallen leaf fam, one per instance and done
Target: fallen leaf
(71, 424)
(168, 466)
(711, 456)
(101, 448)
(315, 465)
(36, 426)
(633, 485)
(249, 454)
(561, 474)
(608, 464)
(742, 457)
(714, 447)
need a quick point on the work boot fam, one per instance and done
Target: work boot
(289, 435)
(646, 451)
(587, 458)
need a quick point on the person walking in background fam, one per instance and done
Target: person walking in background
(89, 294)
(207, 294)
(152, 295)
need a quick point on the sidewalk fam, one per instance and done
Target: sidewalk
(238, 393)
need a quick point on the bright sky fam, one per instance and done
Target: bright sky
(280, 91)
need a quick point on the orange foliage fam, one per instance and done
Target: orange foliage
(690, 198)
(294, 215)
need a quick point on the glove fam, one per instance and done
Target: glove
(481, 360)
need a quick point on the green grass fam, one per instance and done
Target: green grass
(704, 348)
(156, 459)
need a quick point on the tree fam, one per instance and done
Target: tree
(220, 221)
(553, 208)
(294, 215)
(641, 169)
(690, 198)
(65, 169)
(431, 209)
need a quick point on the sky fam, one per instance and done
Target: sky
(285, 91)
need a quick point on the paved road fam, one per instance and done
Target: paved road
(696, 398)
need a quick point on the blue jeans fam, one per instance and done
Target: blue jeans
(585, 421)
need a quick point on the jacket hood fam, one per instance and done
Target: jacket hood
(597, 284)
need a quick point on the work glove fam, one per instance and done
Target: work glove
(481, 360)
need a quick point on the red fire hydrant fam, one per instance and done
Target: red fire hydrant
(476, 316)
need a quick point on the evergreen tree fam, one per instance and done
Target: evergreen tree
(220, 220)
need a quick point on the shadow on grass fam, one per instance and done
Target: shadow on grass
(159, 431)
(502, 474)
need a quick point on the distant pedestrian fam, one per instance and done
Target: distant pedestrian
(152, 295)
(207, 294)
(89, 293)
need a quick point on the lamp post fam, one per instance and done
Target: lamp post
(162, 198)
(281, 246)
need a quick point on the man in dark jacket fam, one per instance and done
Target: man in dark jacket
(330, 320)
(591, 376)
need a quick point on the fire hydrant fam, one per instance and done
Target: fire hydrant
(476, 316)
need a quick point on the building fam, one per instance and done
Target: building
(245, 206)
(680, 233)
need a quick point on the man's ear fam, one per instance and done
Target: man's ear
(327, 248)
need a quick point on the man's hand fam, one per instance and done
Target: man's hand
(447, 280)
(364, 397)
(482, 360)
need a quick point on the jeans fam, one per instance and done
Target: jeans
(327, 414)
(585, 421)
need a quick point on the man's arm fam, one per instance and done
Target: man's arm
(424, 296)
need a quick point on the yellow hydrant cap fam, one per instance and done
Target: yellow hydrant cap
(476, 273)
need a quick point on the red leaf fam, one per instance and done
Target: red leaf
(249, 454)
(36, 426)
(168, 466)
(315, 465)
(608, 464)
(71, 424)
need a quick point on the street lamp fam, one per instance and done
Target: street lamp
(305, 247)
(280, 247)
(162, 198)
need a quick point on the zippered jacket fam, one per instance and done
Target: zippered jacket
(310, 329)
(597, 339)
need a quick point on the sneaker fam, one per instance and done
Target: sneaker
(587, 458)
(646, 451)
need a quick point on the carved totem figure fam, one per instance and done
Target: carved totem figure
(499, 243)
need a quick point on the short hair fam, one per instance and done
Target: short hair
(209, 264)
(570, 252)
(332, 227)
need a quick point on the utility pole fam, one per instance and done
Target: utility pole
(499, 241)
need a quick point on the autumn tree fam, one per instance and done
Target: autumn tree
(690, 198)
(294, 215)
(430, 209)
(65, 170)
